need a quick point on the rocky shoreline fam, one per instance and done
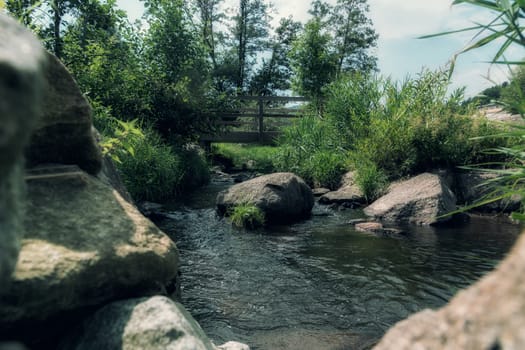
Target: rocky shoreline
(80, 266)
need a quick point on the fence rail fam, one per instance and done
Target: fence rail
(256, 132)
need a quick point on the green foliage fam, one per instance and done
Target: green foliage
(259, 158)
(387, 130)
(247, 215)
(505, 28)
(314, 64)
(409, 127)
(324, 168)
(350, 102)
(513, 94)
(372, 181)
(154, 172)
(310, 148)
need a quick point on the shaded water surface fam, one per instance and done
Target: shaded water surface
(320, 284)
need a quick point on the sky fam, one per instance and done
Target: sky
(400, 53)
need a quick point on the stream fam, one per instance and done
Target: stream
(319, 284)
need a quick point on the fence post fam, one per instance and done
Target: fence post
(261, 115)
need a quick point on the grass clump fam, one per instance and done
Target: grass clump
(247, 215)
(249, 157)
(371, 180)
(311, 150)
(151, 169)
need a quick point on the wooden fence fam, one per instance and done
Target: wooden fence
(253, 124)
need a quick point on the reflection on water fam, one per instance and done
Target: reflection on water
(320, 284)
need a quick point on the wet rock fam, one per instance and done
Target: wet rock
(283, 197)
(233, 345)
(12, 346)
(320, 191)
(64, 134)
(348, 194)
(155, 323)
(150, 209)
(472, 187)
(22, 64)
(378, 229)
(488, 315)
(368, 226)
(84, 246)
(356, 221)
(420, 200)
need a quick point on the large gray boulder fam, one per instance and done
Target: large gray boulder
(84, 246)
(155, 323)
(488, 315)
(283, 197)
(420, 200)
(347, 193)
(21, 77)
(64, 134)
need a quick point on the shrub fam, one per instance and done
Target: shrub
(247, 215)
(351, 101)
(371, 180)
(325, 168)
(154, 172)
(311, 149)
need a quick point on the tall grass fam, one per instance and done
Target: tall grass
(385, 130)
(250, 157)
(311, 149)
(505, 28)
(151, 169)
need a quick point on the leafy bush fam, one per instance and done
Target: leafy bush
(154, 172)
(371, 180)
(393, 129)
(247, 215)
(310, 149)
(351, 101)
(325, 168)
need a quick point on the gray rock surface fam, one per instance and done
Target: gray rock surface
(283, 197)
(21, 77)
(84, 246)
(64, 134)
(472, 187)
(156, 323)
(420, 200)
(348, 192)
(233, 345)
(488, 315)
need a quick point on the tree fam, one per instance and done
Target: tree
(353, 36)
(209, 16)
(335, 41)
(275, 73)
(178, 69)
(249, 31)
(22, 9)
(313, 62)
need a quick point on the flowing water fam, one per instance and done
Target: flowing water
(319, 284)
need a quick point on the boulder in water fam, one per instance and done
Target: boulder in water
(420, 200)
(283, 197)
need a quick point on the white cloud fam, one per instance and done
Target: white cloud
(408, 18)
